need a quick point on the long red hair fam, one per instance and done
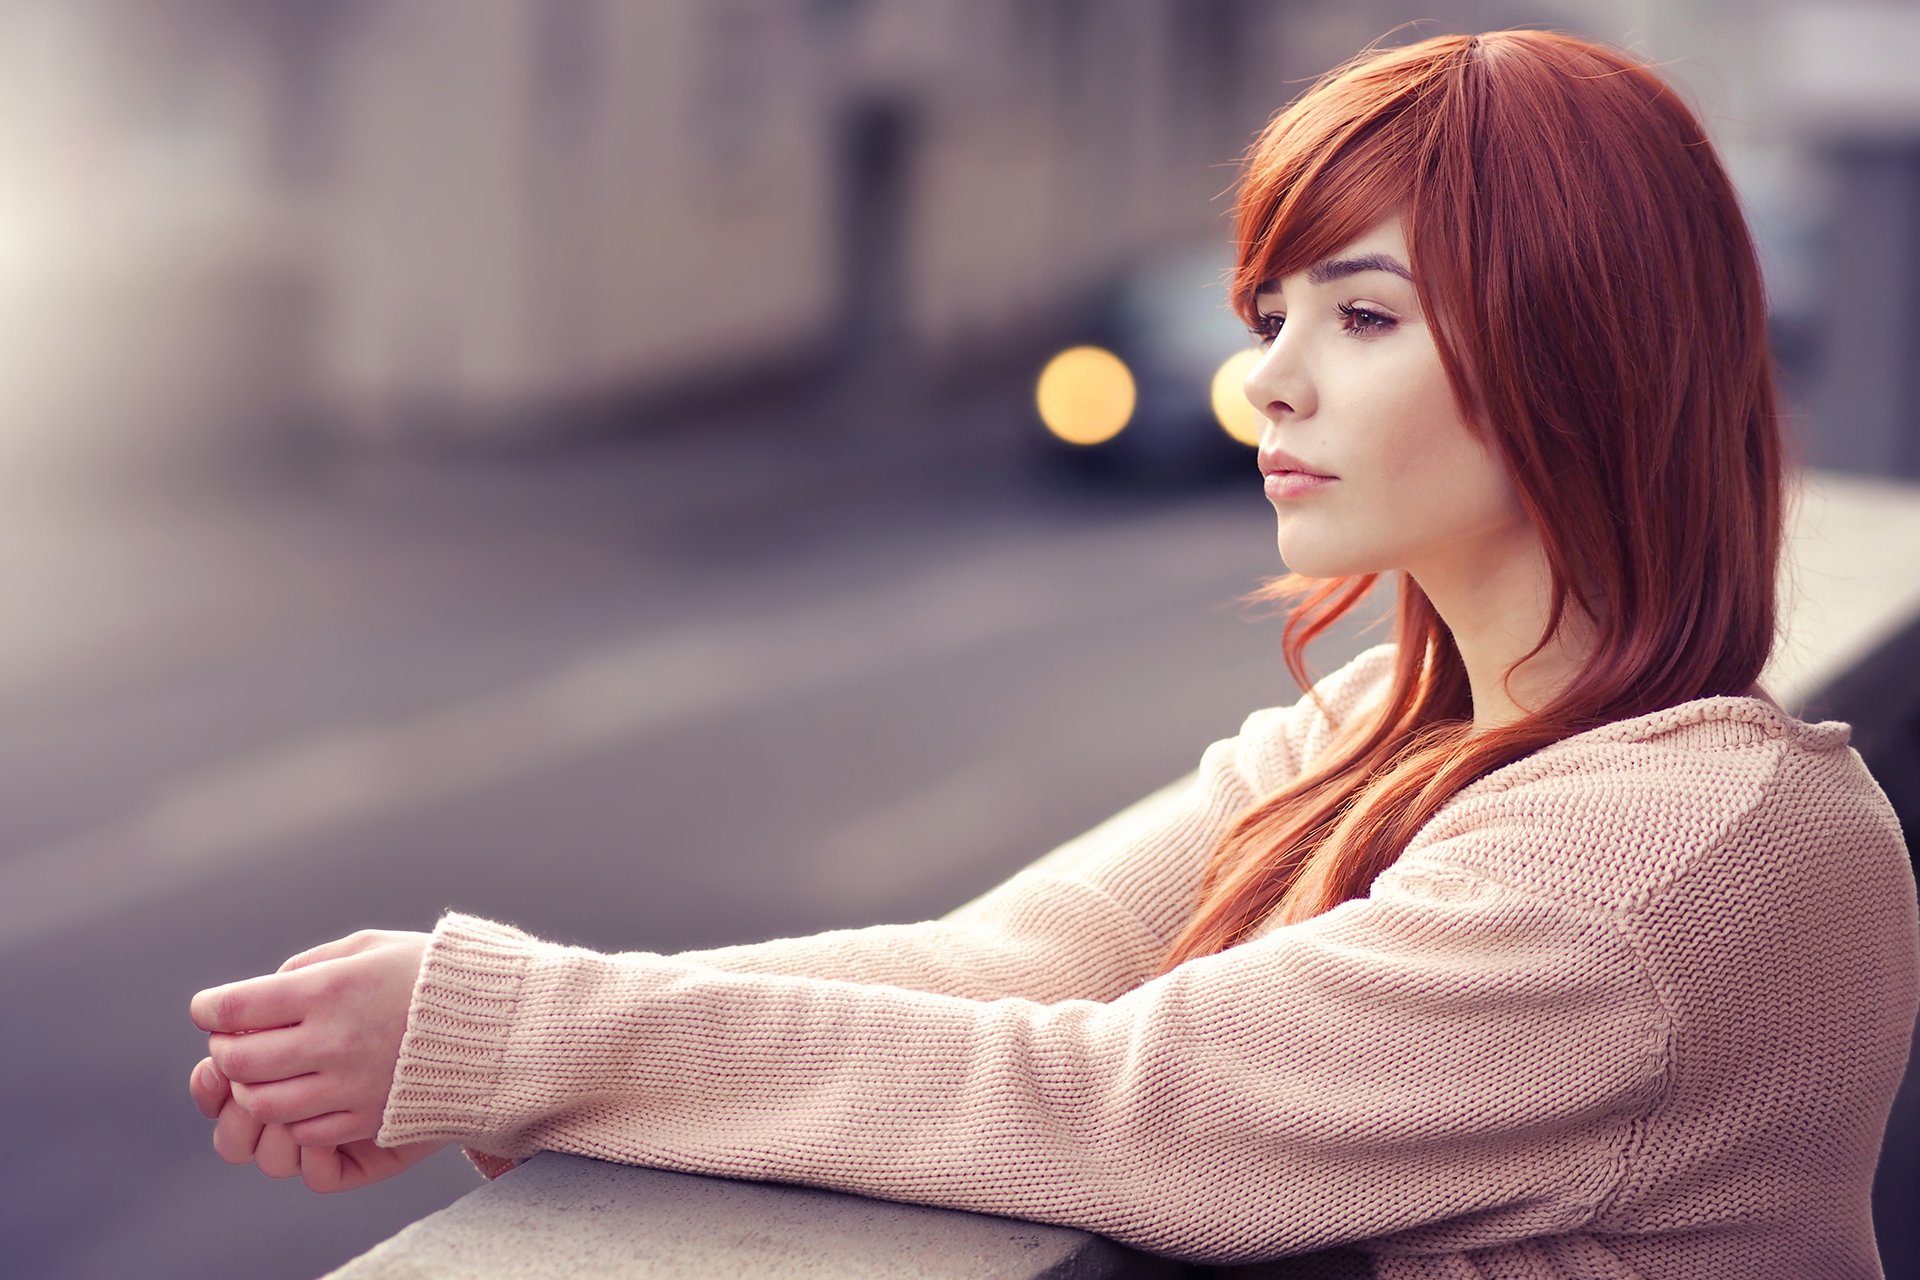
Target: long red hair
(1595, 297)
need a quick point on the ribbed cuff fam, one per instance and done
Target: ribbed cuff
(459, 1022)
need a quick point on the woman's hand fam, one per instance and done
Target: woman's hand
(311, 1051)
(240, 1139)
(237, 1136)
(353, 1165)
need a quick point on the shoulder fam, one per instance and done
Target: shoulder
(1612, 817)
(1277, 743)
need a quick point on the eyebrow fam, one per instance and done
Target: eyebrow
(1328, 270)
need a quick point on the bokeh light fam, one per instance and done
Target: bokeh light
(1231, 408)
(1085, 395)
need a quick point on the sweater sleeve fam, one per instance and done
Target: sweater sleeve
(1094, 917)
(1452, 1059)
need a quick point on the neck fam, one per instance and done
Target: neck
(1496, 614)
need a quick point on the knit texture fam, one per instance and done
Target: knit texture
(1636, 1005)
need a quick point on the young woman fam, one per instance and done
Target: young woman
(1538, 941)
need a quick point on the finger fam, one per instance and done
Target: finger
(277, 1054)
(333, 1129)
(321, 1168)
(278, 1155)
(208, 1087)
(282, 1102)
(276, 1000)
(236, 1134)
(352, 944)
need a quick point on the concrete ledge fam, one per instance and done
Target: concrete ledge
(568, 1216)
(1849, 593)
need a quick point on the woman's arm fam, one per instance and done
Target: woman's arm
(1089, 921)
(1093, 918)
(1462, 1054)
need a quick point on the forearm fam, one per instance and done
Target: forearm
(519, 1046)
(1053, 940)
(1306, 1062)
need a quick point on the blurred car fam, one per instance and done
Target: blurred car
(1150, 389)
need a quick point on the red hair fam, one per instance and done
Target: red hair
(1594, 294)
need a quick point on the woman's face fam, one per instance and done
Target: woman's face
(1351, 385)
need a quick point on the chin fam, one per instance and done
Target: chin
(1311, 563)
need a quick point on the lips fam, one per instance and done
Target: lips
(1280, 462)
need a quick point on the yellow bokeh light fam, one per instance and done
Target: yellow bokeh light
(1085, 395)
(1230, 404)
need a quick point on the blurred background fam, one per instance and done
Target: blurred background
(667, 473)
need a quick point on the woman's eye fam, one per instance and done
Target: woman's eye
(1364, 320)
(1359, 322)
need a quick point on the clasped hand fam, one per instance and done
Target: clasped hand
(301, 1061)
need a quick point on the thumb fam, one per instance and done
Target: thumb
(352, 944)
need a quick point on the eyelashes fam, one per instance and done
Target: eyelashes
(1360, 322)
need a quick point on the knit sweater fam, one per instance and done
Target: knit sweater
(1636, 1005)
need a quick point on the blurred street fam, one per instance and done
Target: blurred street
(651, 699)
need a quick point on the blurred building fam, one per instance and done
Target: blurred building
(462, 212)
(1849, 103)
(553, 197)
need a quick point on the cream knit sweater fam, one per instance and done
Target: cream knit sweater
(1634, 1006)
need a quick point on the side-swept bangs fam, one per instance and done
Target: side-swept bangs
(1345, 155)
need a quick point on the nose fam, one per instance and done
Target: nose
(1277, 385)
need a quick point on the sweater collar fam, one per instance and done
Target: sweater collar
(1722, 719)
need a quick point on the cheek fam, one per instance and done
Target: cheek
(1471, 482)
(1421, 459)
(1409, 432)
